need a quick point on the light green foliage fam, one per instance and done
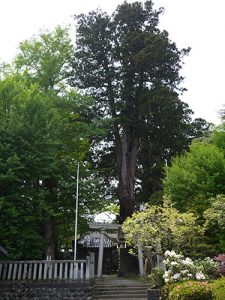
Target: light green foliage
(215, 222)
(45, 128)
(45, 58)
(195, 177)
(215, 214)
(188, 290)
(156, 276)
(194, 290)
(218, 136)
(207, 266)
(218, 289)
(159, 228)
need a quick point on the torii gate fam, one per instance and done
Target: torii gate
(116, 234)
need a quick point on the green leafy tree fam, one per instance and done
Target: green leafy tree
(45, 57)
(42, 138)
(161, 228)
(46, 128)
(195, 177)
(215, 222)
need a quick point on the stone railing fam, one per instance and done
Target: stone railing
(40, 270)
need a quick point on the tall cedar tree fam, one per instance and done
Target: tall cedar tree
(127, 64)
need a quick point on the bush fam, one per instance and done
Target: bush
(157, 277)
(218, 289)
(166, 289)
(187, 290)
(207, 266)
(180, 268)
(221, 259)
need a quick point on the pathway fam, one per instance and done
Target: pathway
(111, 287)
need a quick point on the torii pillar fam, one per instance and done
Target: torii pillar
(100, 253)
(103, 228)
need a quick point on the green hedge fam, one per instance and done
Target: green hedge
(218, 289)
(194, 290)
(187, 290)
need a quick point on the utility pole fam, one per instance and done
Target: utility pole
(76, 215)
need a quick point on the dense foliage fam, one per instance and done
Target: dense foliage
(180, 268)
(194, 183)
(131, 68)
(158, 228)
(121, 136)
(195, 177)
(187, 290)
(194, 290)
(218, 288)
(43, 134)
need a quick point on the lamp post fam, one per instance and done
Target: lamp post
(76, 215)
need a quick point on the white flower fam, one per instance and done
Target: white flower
(189, 275)
(200, 276)
(174, 263)
(184, 271)
(166, 261)
(176, 276)
(187, 261)
(166, 274)
(170, 253)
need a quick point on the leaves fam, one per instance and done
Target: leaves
(196, 176)
(159, 228)
(131, 69)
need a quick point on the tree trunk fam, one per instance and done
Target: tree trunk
(126, 159)
(49, 236)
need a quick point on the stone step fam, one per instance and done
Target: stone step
(116, 298)
(116, 293)
(120, 293)
(120, 297)
(121, 287)
(121, 284)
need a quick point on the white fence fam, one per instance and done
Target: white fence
(47, 270)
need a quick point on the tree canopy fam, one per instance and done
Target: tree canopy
(44, 134)
(195, 177)
(131, 68)
(194, 183)
(112, 103)
(161, 228)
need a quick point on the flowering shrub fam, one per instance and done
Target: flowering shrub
(191, 290)
(221, 259)
(180, 268)
(156, 277)
(218, 289)
(207, 266)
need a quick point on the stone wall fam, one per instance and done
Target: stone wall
(153, 294)
(46, 291)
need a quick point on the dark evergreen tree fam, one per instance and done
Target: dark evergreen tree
(131, 68)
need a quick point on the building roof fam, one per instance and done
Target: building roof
(92, 240)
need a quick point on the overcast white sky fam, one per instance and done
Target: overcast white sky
(199, 24)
